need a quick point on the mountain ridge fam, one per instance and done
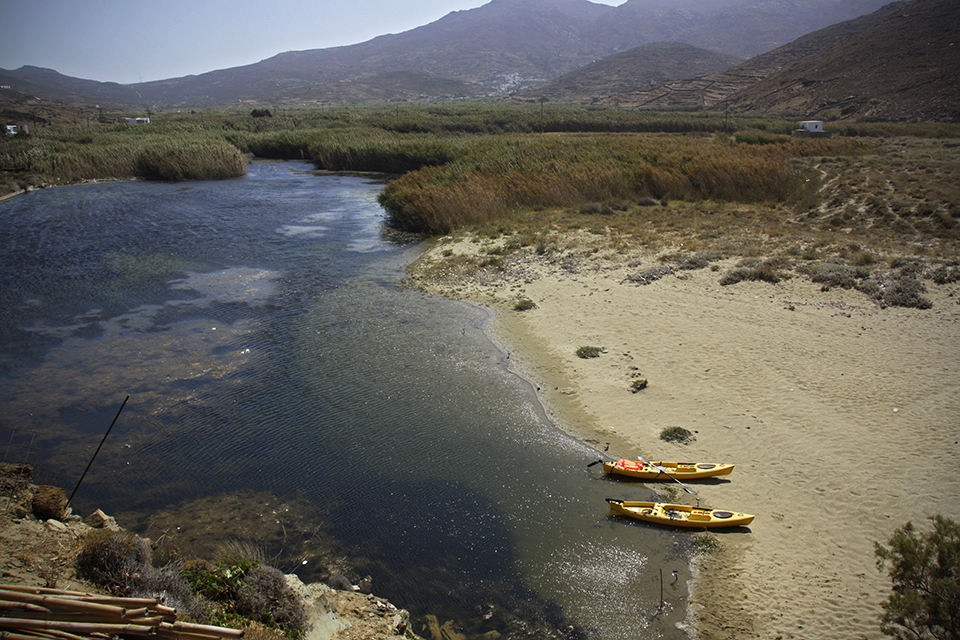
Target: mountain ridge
(491, 49)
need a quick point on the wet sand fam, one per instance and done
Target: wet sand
(843, 420)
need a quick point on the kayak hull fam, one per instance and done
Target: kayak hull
(680, 470)
(679, 515)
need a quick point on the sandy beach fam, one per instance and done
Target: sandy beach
(843, 419)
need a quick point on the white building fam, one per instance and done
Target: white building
(810, 129)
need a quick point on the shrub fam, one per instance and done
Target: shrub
(945, 274)
(650, 275)
(115, 560)
(264, 595)
(169, 583)
(832, 274)
(588, 352)
(752, 269)
(676, 434)
(249, 589)
(638, 385)
(898, 292)
(591, 207)
(925, 571)
(524, 304)
(699, 260)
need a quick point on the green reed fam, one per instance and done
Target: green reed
(66, 155)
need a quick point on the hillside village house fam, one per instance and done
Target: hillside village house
(810, 129)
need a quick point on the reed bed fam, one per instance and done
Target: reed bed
(70, 155)
(497, 175)
(375, 150)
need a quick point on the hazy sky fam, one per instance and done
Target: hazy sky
(132, 40)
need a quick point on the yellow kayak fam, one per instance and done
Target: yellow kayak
(659, 470)
(679, 515)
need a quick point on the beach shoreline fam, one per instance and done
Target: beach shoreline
(839, 415)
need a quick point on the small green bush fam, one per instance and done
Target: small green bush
(588, 352)
(524, 304)
(251, 590)
(676, 434)
(638, 385)
(925, 572)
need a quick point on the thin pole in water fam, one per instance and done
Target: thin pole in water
(661, 587)
(98, 451)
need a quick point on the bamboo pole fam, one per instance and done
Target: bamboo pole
(202, 629)
(88, 597)
(35, 613)
(59, 592)
(80, 627)
(12, 635)
(52, 602)
(63, 616)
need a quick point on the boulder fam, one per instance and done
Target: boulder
(99, 520)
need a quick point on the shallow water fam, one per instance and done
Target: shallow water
(260, 329)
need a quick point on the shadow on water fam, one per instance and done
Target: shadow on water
(286, 390)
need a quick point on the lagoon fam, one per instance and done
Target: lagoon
(273, 359)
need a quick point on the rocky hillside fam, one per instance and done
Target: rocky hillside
(710, 89)
(906, 67)
(644, 66)
(40, 539)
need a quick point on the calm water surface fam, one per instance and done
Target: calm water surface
(259, 327)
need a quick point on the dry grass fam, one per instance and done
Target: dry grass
(834, 239)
